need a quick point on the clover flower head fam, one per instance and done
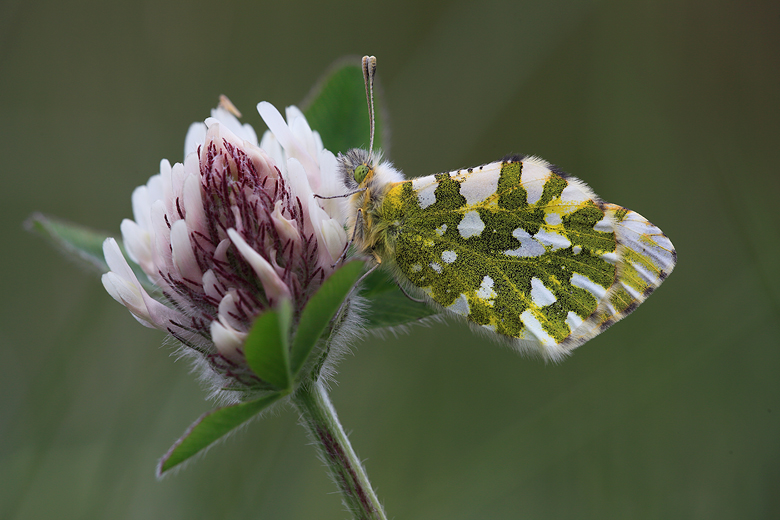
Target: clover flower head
(229, 233)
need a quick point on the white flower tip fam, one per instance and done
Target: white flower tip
(265, 106)
(227, 340)
(274, 121)
(126, 293)
(165, 167)
(113, 256)
(138, 242)
(293, 112)
(196, 136)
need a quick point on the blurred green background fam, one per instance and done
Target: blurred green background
(671, 108)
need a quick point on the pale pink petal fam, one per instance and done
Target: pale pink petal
(211, 285)
(124, 292)
(142, 206)
(217, 132)
(167, 185)
(115, 260)
(264, 164)
(227, 340)
(174, 202)
(182, 253)
(244, 132)
(161, 247)
(274, 286)
(123, 285)
(193, 204)
(220, 253)
(331, 186)
(196, 136)
(287, 228)
(228, 311)
(138, 244)
(292, 148)
(335, 237)
(270, 145)
(301, 130)
(154, 187)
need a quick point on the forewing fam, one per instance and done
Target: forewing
(645, 258)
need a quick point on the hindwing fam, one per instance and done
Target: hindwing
(524, 251)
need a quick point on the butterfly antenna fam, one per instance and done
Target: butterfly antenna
(369, 69)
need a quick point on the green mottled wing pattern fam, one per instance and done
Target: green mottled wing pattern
(523, 251)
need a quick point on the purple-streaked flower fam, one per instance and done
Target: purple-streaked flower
(229, 234)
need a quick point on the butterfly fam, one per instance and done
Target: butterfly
(520, 249)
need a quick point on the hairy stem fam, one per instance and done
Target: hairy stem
(319, 417)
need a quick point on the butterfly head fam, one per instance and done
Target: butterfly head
(357, 167)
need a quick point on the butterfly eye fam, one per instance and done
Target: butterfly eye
(360, 173)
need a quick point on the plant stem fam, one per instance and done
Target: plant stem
(319, 417)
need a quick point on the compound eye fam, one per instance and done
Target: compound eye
(360, 173)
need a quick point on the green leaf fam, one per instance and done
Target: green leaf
(377, 282)
(390, 309)
(210, 427)
(82, 244)
(266, 346)
(320, 309)
(336, 107)
(78, 242)
(388, 306)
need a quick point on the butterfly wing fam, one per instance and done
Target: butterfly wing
(524, 252)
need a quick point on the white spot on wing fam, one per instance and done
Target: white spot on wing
(662, 240)
(449, 256)
(528, 246)
(436, 267)
(552, 219)
(540, 294)
(479, 185)
(576, 250)
(425, 188)
(612, 258)
(576, 192)
(604, 225)
(470, 225)
(554, 240)
(583, 282)
(441, 229)
(460, 306)
(416, 268)
(573, 321)
(485, 290)
(533, 326)
(638, 224)
(533, 177)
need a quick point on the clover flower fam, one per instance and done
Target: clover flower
(229, 233)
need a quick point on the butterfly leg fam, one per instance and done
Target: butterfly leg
(358, 221)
